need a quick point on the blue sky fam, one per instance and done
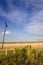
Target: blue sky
(24, 19)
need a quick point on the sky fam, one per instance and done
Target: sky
(24, 19)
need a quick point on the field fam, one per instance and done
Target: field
(12, 45)
(21, 53)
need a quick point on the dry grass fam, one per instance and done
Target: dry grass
(22, 44)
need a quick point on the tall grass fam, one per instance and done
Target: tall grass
(22, 56)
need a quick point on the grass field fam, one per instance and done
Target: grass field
(20, 53)
(22, 44)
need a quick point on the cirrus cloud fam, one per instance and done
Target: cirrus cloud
(36, 24)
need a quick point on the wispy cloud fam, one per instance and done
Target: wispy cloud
(25, 14)
(36, 24)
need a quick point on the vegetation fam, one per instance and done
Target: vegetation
(24, 56)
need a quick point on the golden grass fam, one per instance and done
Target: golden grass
(22, 44)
